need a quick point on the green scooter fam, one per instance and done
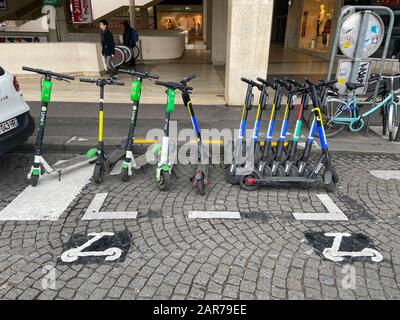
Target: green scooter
(130, 162)
(40, 165)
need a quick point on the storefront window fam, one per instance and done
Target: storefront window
(315, 31)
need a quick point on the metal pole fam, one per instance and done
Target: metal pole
(345, 11)
(384, 54)
(132, 13)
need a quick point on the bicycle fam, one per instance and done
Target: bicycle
(344, 112)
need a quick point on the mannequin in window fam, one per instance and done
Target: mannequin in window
(320, 18)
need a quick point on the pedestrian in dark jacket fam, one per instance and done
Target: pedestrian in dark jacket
(128, 35)
(108, 48)
(129, 39)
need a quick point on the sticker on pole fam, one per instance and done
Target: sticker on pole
(344, 71)
(371, 39)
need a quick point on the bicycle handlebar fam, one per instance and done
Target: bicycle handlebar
(58, 76)
(145, 75)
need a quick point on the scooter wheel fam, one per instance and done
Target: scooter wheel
(125, 174)
(248, 186)
(232, 179)
(329, 181)
(201, 186)
(99, 173)
(267, 172)
(34, 180)
(280, 172)
(294, 171)
(163, 183)
(307, 171)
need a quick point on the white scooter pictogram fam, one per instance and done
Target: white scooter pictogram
(336, 255)
(111, 254)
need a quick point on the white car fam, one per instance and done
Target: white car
(16, 123)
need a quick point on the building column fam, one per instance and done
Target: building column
(144, 18)
(219, 31)
(248, 44)
(205, 13)
(209, 22)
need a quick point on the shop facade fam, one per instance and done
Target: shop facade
(311, 24)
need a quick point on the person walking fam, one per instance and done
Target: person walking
(108, 48)
(130, 37)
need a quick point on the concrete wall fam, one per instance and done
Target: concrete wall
(67, 57)
(219, 31)
(160, 45)
(249, 38)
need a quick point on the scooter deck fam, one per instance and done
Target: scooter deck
(283, 181)
(71, 163)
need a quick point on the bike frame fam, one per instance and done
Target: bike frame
(353, 107)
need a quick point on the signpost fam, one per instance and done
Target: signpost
(81, 11)
(359, 35)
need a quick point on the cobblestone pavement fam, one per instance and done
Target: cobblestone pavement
(267, 254)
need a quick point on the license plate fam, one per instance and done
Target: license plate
(8, 125)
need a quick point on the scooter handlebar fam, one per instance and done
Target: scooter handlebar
(250, 82)
(115, 83)
(190, 78)
(145, 75)
(58, 76)
(87, 80)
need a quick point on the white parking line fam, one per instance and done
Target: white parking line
(334, 213)
(50, 198)
(213, 215)
(93, 211)
(386, 174)
(117, 169)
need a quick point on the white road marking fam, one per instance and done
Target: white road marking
(336, 255)
(50, 198)
(76, 139)
(93, 211)
(334, 213)
(110, 254)
(213, 215)
(386, 174)
(116, 171)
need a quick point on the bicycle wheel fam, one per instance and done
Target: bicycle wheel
(135, 52)
(334, 108)
(391, 124)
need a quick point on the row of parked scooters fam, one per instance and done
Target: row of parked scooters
(281, 165)
(103, 162)
(271, 165)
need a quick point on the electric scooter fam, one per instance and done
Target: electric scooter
(253, 156)
(200, 177)
(290, 164)
(165, 166)
(330, 178)
(130, 162)
(277, 168)
(303, 166)
(268, 153)
(40, 165)
(230, 170)
(103, 163)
